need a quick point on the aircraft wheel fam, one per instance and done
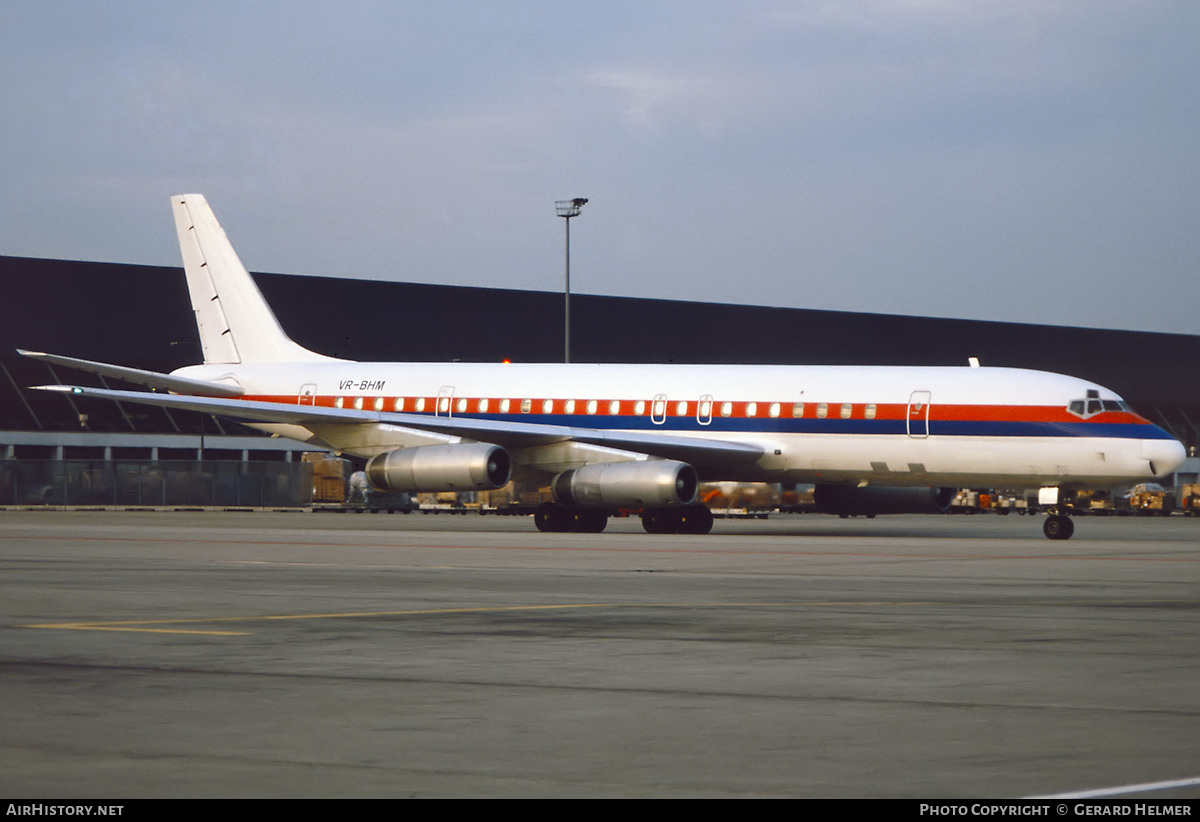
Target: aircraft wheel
(695, 519)
(661, 521)
(1058, 526)
(551, 518)
(652, 522)
(588, 521)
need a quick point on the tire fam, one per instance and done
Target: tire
(695, 519)
(1057, 526)
(551, 519)
(588, 521)
(660, 521)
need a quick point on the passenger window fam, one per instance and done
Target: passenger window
(591, 406)
(797, 410)
(681, 408)
(614, 407)
(398, 405)
(547, 406)
(869, 411)
(726, 409)
(483, 406)
(462, 405)
(822, 410)
(773, 410)
(526, 406)
(379, 403)
(570, 407)
(505, 404)
(640, 407)
(847, 410)
(339, 402)
(751, 409)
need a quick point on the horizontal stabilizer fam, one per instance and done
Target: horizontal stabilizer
(137, 376)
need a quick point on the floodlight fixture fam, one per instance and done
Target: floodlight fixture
(568, 209)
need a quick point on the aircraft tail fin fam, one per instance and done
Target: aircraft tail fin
(236, 325)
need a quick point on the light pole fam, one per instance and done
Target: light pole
(568, 209)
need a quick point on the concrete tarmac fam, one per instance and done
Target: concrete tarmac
(210, 654)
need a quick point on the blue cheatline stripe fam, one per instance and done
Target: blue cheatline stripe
(1107, 430)
(766, 425)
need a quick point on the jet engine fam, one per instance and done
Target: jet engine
(642, 484)
(848, 500)
(476, 466)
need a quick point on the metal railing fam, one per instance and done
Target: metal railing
(193, 483)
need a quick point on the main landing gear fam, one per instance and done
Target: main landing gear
(550, 517)
(694, 519)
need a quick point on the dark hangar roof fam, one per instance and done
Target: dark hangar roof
(140, 316)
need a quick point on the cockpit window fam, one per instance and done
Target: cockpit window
(1092, 405)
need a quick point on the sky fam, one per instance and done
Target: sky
(1016, 160)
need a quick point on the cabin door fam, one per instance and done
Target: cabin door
(918, 414)
(658, 409)
(445, 402)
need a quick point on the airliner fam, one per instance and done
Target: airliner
(604, 438)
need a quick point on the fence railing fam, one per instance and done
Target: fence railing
(159, 483)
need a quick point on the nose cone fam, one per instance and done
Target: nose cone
(1164, 455)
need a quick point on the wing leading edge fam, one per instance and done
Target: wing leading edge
(508, 434)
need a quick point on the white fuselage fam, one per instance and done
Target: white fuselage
(963, 427)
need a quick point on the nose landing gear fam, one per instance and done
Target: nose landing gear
(1058, 526)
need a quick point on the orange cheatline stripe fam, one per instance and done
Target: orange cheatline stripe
(739, 409)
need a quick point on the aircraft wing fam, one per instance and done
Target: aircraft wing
(504, 433)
